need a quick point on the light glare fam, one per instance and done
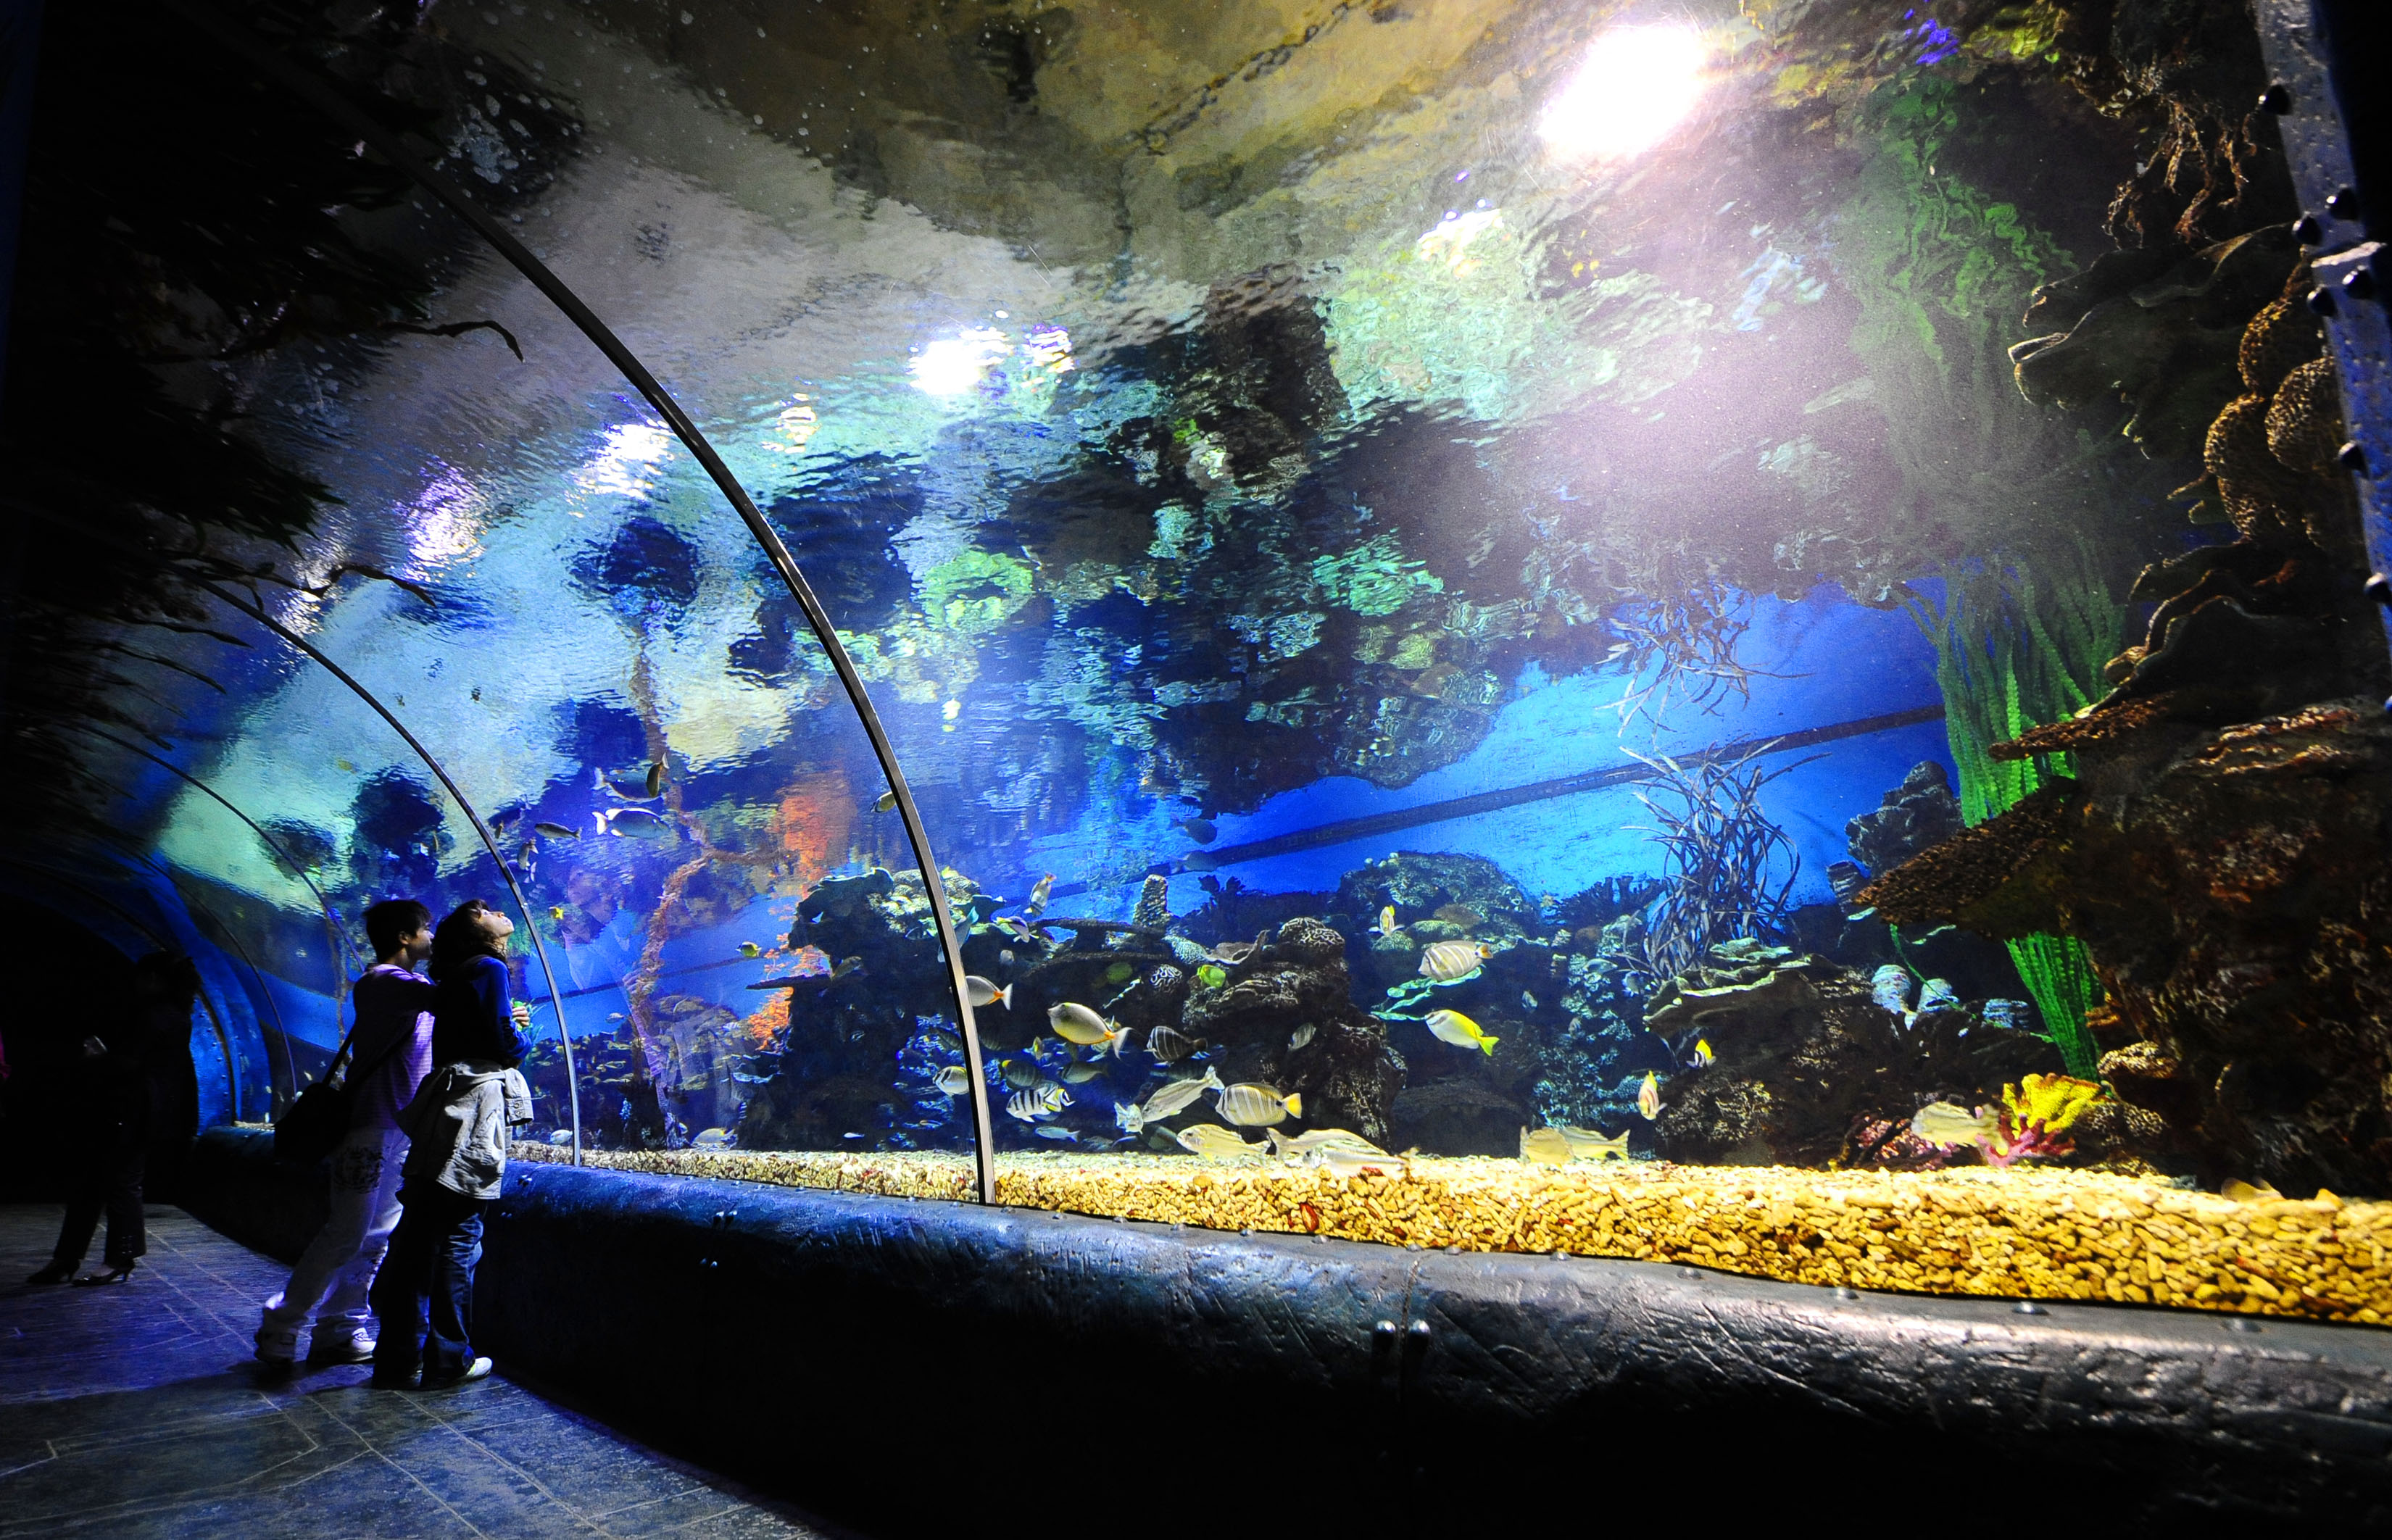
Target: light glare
(953, 365)
(1638, 82)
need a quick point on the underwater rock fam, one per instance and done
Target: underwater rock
(2232, 898)
(1347, 1071)
(1805, 1061)
(1437, 898)
(1919, 812)
(1456, 1117)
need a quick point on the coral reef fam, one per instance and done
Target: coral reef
(1804, 1060)
(2231, 897)
(1346, 1070)
(2038, 1234)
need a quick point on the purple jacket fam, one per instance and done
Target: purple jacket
(391, 1001)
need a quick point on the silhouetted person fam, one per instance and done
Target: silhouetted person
(458, 1127)
(390, 1053)
(136, 1086)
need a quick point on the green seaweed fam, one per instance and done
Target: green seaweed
(2012, 654)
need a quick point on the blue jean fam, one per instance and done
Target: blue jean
(431, 1259)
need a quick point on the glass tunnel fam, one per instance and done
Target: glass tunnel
(1604, 628)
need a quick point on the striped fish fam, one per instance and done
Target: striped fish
(1168, 1047)
(1251, 1106)
(1446, 961)
(1037, 1104)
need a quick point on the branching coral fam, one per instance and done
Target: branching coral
(2032, 1124)
(1721, 857)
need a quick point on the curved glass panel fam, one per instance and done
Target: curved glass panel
(1519, 626)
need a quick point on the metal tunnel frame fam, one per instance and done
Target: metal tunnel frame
(506, 873)
(320, 95)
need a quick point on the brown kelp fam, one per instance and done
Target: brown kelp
(1727, 870)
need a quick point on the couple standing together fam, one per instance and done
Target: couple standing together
(436, 1065)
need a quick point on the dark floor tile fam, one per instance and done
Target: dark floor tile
(590, 1471)
(213, 1459)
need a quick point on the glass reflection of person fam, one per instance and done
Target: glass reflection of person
(459, 1126)
(137, 1089)
(391, 1053)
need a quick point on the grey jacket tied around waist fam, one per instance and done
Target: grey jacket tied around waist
(458, 1126)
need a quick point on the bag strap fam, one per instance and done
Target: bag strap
(405, 1036)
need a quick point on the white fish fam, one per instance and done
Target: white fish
(1302, 1035)
(1180, 1095)
(1586, 1144)
(1078, 1024)
(1449, 962)
(1890, 987)
(1342, 1162)
(1947, 1124)
(1048, 1131)
(1249, 1104)
(634, 823)
(1038, 895)
(1295, 1147)
(1215, 1143)
(982, 991)
(954, 1079)
(1649, 1097)
(713, 1138)
(1460, 1030)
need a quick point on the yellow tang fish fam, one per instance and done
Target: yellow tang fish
(1215, 1143)
(1078, 1024)
(1545, 1146)
(749, 949)
(1447, 960)
(1251, 1106)
(2247, 1192)
(1649, 1097)
(1587, 1143)
(1460, 1030)
(1947, 1124)
(556, 911)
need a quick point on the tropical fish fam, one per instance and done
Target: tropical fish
(555, 830)
(1937, 994)
(1301, 1036)
(713, 1138)
(1703, 1055)
(1038, 895)
(1947, 1124)
(1168, 1045)
(1446, 961)
(1586, 1144)
(1120, 973)
(2247, 1192)
(984, 993)
(845, 965)
(556, 911)
(657, 778)
(1204, 831)
(1177, 1097)
(749, 949)
(1215, 1143)
(1460, 1030)
(1455, 914)
(1078, 1024)
(634, 822)
(1545, 1146)
(887, 803)
(1297, 1147)
(1649, 1097)
(1388, 925)
(1250, 1105)
(1889, 988)
(1081, 1074)
(1342, 1160)
(1212, 975)
(1051, 1132)
(1018, 1073)
(643, 790)
(954, 1079)
(2009, 1015)
(1041, 1101)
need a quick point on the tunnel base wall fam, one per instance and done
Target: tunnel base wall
(918, 1365)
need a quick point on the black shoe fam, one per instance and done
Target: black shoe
(115, 1275)
(57, 1272)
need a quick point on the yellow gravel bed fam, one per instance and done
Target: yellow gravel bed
(2017, 1234)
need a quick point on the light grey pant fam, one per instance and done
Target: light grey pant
(338, 1267)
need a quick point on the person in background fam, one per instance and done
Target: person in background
(137, 1078)
(391, 1049)
(458, 1125)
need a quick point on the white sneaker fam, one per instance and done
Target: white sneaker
(276, 1345)
(478, 1370)
(340, 1345)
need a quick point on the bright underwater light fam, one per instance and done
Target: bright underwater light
(953, 365)
(1637, 83)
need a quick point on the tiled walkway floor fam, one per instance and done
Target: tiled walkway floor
(138, 1411)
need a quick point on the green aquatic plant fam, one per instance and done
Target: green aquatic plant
(2011, 654)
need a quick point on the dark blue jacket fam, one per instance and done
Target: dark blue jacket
(473, 1016)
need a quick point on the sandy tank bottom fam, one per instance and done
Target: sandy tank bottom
(2017, 1234)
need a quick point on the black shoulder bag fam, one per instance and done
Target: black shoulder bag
(318, 1120)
